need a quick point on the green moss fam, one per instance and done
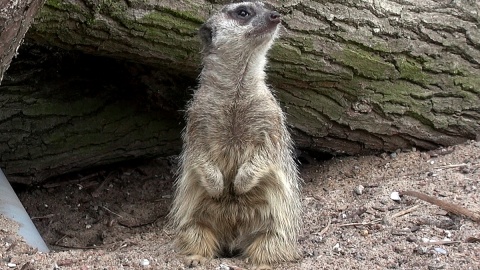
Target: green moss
(284, 52)
(470, 83)
(58, 4)
(171, 21)
(366, 64)
(412, 71)
(187, 16)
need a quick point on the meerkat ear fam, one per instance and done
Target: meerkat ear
(206, 33)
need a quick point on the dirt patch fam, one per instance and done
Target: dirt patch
(115, 219)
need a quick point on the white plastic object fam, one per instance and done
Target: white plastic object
(12, 208)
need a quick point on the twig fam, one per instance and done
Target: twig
(58, 241)
(112, 212)
(124, 224)
(91, 247)
(451, 166)
(404, 212)
(440, 242)
(447, 206)
(44, 217)
(96, 193)
(375, 221)
(324, 230)
(69, 182)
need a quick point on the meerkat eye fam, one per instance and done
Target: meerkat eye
(243, 13)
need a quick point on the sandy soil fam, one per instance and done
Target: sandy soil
(115, 218)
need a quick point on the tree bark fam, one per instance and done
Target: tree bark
(15, 19)
(354, 77)
(64, 112)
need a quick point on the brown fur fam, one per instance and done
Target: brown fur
(238, 185)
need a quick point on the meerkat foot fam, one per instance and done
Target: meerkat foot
(270, 248)
(198, 242)
(194, 260)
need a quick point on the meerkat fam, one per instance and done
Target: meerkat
(238, 188)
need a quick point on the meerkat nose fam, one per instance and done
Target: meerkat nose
(274, 16)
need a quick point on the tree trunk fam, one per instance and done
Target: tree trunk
(355, 77)
(64, 112)
(15, 19)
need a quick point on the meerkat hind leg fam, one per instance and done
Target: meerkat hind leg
(198, 243)
(269, 248)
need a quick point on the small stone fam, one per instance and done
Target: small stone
(11, 265)
(144, 262)
(223, 267)
(411, 239)
(337, 247)
(364, 232)
(393, 155)
(395, 196)
(440, 250)
(359, 189)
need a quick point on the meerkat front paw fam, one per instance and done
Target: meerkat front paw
(194, 260)
(210, 178)
(245, 179)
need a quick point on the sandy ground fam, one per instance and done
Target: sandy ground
(115, 218)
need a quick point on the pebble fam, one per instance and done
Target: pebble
(223, 267)
(11, 265)
(144, 262)
(359, 189)
(364, 232)
(337, 247)
(440, 250)
(395, 196)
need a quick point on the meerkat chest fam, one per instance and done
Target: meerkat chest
(248, 122)
(230, 131)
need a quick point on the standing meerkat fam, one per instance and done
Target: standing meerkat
(237, 191)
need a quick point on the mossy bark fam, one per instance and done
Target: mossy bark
(355, 77)
(59, 116)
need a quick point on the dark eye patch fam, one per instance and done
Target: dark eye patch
(243, 14)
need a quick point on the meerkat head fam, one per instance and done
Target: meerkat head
(240, 27)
